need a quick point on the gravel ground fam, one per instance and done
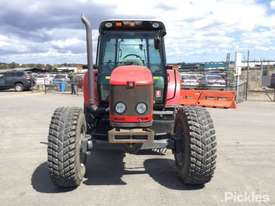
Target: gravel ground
(244, 175)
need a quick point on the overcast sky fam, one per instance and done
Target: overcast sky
(50, 31)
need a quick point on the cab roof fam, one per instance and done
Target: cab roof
(132, 25)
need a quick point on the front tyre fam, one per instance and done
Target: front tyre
(19, 87)
(65, 159)
(195, 147)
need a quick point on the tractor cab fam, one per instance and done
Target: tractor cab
(127, 42)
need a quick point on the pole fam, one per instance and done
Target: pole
(236, 77)
(262, 72)
(239, 100)
(247, 75)
(227, 69)
(45, 89)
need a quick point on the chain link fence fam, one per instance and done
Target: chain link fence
(255, 80)
(47, 84)
(211, 79)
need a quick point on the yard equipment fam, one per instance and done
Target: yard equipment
(208, 98)
(131, 100)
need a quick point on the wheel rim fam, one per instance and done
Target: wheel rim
(82, 150)
(18, 88)
(82, 169)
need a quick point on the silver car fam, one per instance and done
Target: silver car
(215, 80)
(190, 80)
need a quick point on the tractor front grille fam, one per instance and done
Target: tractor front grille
(131, 97)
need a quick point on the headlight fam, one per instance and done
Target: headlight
(141, 108)
(120, 108)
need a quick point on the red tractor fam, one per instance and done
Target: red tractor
(131, 101)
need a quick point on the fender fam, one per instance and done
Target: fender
(173, 87)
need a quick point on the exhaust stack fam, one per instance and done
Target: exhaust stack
(89, 46)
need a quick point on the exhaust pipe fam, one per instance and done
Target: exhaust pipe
(89, 46)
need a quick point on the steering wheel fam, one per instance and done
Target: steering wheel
(138, 60)
(135, 55)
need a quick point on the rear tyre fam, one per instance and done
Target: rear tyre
(19, 87)
(66, 161)
(195, 150)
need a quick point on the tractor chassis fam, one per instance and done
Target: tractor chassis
(159, 136)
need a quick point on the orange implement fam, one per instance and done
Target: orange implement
(189, 97)
(208, 98)
(220, 99)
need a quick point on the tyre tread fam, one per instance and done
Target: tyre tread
(62, 140)
(202, 155)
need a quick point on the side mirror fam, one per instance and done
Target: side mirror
(157, 41)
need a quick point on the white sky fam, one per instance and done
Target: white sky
(197, 30)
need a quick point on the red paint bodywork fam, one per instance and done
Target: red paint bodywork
(174, 81)
(140, 75)
(86, 89)
(131, 119)
(173, 87)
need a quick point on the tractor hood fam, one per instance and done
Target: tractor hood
(131, 74)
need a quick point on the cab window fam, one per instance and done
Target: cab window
(129, 48)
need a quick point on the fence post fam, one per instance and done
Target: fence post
(262, 73)
(247, 76)
(45, 90)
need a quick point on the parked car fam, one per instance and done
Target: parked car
(59, 78)
(19, 80)
(44, 79)
(190, 80)
(213, 80)
(272, 81)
